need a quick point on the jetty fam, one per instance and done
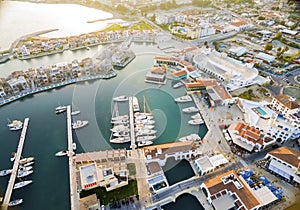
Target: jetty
(74, 196)
(14, 173)
(131, 120)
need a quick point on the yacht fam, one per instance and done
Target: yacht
(185, 98)
(60, 109)
(121, 117)
(24, 168)
(74, 146)
(13, 156)
(118, 122)
(143, 113)
(145, 132)
(195, 122)
(22, 184)
(15, 202)
(79, 124)
(121, 134)
(145, 121)
(119, 128)
(143, 116)
(144, 143)
(75, 113)
(140, 127)
(190, 109)
(26, 160)
(24, 173)
(196, 116)
(15, 125)
(5, 172)
(120, 98)
(61, 153)
(178, 84)
(135, 104)
(120, 140)
(146, 138)
(191, 137)
(28, 164)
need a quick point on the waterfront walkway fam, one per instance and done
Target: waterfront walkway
(14, 173)
(74, 196)
(131, 122)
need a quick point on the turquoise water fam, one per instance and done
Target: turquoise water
(261, 111)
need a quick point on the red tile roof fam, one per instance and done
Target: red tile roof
(287, 102)
(287, 155)
(179, 73)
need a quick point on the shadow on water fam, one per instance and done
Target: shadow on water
(187, 200)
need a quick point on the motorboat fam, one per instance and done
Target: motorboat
(145, 132)
(195, 122)
(24, 173)
(74, 146)
(191, 137)
(26, 160)
(185, 98)
(145, 121)
(15, 125)
(119, 128)
(196, 116)
(144, 143)
(190, 109)
(24, 168)
(75, 113)
(13, 156)
(143, 116)
(79, 124)
(120, 140)
(178, 84)
(60, 109)
(61, 153)
(121, 117)
(15, 202)
(143, 113)
(135, 104)
(5, 172)
(117, 122)
(146, 138)
(28, 164)
(143, 127)
(22, 184)
(120, 98)
(121, 134)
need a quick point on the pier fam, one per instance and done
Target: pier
(74, 196)
(131, 122)
(14, 173)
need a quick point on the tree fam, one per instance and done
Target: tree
(278, 36)
(269, 46)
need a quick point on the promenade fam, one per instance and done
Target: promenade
(14, 173)
(131, 119)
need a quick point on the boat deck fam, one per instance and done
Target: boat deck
(14, 173)
(131, 120)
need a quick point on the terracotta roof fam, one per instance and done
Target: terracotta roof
(222, 93)
(287, 155)
(216, 185)
(158, 70)
(238, 23)
(179, 73)
(169, 148)
(287, 102)
(249, 133)
(218, 27)
(207, 82)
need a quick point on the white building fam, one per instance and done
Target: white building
(206, 29)
(18, 84)
(238, 51)
(285, 105)
(285, 162)
(265, 57)
(207, 164)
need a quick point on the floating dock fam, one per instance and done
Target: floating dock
(74, 196)
(14, 173)
(131, 122)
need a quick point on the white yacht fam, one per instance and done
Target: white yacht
(121, 117)
(60, 109)
(140, 127)
(121, 134)
(24, 173)
(185, 98)
(145, 132)
(135, 104)
(24, 168)
(143, 113)
(61, 153)
(22, 184)
(26, 160)
(118, 122)
(195, 122)
(15, 202)
(74, 146)
(120, 98)
(143, 116)
(5, 172)
(146, 138)
(191, 137)
(144, 143)
(15, 125)
(120, 140)
(178, 84)
(190, 109)
(196, 116)
(79, 124)
(119, 128)
(145, 121)
(75, 113)
(28, 164)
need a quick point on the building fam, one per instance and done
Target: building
(285, 105)
(157, 75)
(285, 162)
(180, 74)
(238, 51)
(193, 32)
(230, 191)
(249, 138)
(89, 203)
(234, 73)
(207, 164)
(239, 25)
(265, 57)
(200, 84)
(219, 95)
(18, 84)
(174, 63)
(178, 150)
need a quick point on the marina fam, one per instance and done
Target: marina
(13, 176)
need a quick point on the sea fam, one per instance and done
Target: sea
(47, 132)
